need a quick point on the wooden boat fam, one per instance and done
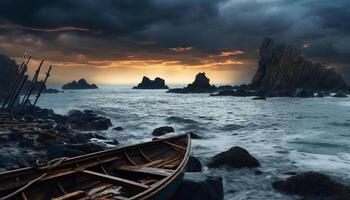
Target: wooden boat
(151, 170)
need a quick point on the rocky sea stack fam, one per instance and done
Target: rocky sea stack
(200, 85)
(81, 84)
(283, 69)
(147, 83)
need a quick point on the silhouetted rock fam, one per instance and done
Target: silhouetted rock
(340, 95)
(81, 84)
(193, 165)
(225, 93)
(304, 93)
(235, 157)
(52, 91)
(118, 128)
(147, 83)
(162, 130)
(200, 85)
(197, 186)
(259, 98)
(194, 135)
(320, 94)
(226, 87)
(284, 68)
(313, 185)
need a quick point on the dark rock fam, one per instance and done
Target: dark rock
(320, 94)
(26, 143)
(85, 138)
(304, 93)
(193, 165)
(197, 186)
(146, 83)
(52, 91)
(225, 87)
(112, 142)
(162, 130)
(15, 159)
(239, 92)
(313, 185)
(81, 84)
(290, 173)
(235, 157)
(72, 150)
(258, 172)
(200, 85)
(63, 128)
(88, 120)
(259, 98)
(16, 136)
(118, 128)
(340, 95)
(283, 67)
(194, 135)
(101, 124)
(225, 93)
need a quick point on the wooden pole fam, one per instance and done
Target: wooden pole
(42, 86)
(32, 86)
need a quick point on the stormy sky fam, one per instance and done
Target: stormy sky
(119, 41)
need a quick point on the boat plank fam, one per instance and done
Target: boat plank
(175, 145)
(72, 195)
(147, 170)
(121, 181)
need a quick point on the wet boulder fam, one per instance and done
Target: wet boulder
(88, 120)
(259, 98)
(302, 93)
(198, 186)
(236, 157)
(194, 135)
(118, 128)
(320, 94)
(313, 185)
(193, 165)
(225, 93)
(72, 150)
(340, 95)
(162, 130)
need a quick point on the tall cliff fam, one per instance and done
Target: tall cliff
(283, 67)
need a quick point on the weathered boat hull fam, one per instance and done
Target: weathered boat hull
(152, 170)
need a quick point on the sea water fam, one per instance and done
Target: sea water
(284, 134)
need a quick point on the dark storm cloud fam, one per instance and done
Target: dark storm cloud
(119, 29)
(113, 16)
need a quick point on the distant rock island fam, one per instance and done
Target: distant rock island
(81, 84)
(283, 71)
(147, 83)
(201, 84)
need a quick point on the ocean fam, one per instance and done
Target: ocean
(284, 134)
